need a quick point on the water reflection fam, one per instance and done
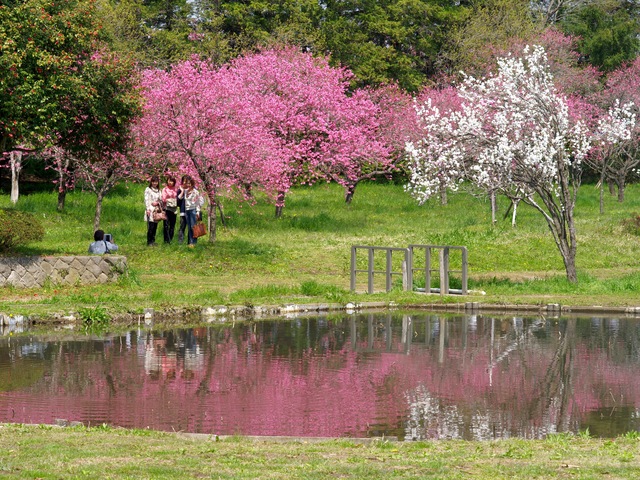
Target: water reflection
(414, 376)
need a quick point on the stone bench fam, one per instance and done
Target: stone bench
(28, 272)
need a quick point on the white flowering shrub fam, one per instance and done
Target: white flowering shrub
(511, 132)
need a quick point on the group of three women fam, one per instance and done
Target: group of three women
(169, 203)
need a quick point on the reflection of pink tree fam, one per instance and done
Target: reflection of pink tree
(478, 386)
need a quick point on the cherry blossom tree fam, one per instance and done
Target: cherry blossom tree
(325, 132)
(621, 99)
(397, 124)
(197, 120)
(513, 132)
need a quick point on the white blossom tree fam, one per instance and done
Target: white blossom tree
(513, 134)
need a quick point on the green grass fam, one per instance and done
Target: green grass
(304, 256)
(104, 452)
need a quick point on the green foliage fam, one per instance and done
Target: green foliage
(159, 33)
(390, 40)
(94, 319)
(44, 44)
(608, 33)
(491, 26)
(18, 228)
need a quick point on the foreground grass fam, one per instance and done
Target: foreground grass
(52, 452)
(304, 256)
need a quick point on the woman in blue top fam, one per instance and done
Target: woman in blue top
(193, 202)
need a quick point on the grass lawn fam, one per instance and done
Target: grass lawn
(104, 452)
(304, 256)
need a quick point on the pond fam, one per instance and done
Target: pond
(406, 375)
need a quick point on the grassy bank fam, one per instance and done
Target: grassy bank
(52, 452)
(304, 256)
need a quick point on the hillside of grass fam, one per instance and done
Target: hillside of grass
(305, 255)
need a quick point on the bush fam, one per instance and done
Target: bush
(632, 225)
(94, 320)
(18, 228)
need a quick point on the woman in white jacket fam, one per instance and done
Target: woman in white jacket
(152, 202)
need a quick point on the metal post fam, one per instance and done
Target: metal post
(409, 270)
(353, 269)
(405, 276)
(464, 271)
(388, 271)
(444, 271)
(370, 272)
(427, 270)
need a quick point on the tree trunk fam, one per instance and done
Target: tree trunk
(212, 215)
(350, 189)
(443, 194)
(621, 186)
(16, 167)
(96, 218)
(63, 180)
(279, 204)
(515, 208)
(62, 195)
(492, 198)
(570, 266)
(222, 220)
(612, 188)
(211, 220)
(601, 197)
(560, 204)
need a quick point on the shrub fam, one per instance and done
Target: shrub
(18, 228)
(94, 320)
(632, 225)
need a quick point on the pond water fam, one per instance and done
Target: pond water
(409, 375)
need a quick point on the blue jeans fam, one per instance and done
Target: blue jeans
(192, 217)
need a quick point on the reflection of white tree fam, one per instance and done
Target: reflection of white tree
(430, 416)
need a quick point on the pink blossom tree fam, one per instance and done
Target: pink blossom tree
(325, 133)
(513, 131)
(197, 120)
(397, 124)
(621, 100)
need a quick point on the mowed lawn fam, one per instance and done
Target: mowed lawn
(305, 255)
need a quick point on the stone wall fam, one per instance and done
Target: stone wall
(27, 272)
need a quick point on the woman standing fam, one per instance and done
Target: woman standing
(193, 202)
(152, 204)
(183, 218)
(170, 202)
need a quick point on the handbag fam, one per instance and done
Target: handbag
(199, 230)
(159, 215)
